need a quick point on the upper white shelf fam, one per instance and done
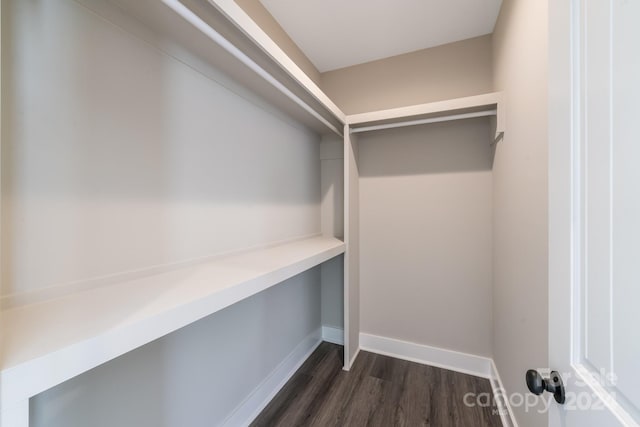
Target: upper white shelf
(489, 104)
(244, 22)
(221, 34)
(46, 343)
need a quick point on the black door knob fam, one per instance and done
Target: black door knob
(538, 385)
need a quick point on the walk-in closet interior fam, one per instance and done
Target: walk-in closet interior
(191, 206)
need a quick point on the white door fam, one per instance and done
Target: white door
(594, 216)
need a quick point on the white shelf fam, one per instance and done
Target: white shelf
(244, 22)
(451, 109)
(211, 36)
(46, 343)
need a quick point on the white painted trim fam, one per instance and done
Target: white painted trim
(489, 99)
(501, 398)
(244, 22)
(448, 118)
(352, 249)
(207, 30)
(260, 397)
(491, 103)
(333, 335)
(352, 361)
(465, 363)
(605, 396)
(16, 415)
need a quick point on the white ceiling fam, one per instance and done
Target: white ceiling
(339, 33)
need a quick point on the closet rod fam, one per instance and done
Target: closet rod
(425, 121)
(207, 30)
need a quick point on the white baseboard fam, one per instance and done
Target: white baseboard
(479, 366)
(501, 399)
(336, 336)
(465, 363)
(447, 359)
(333, 335)
(260, 397)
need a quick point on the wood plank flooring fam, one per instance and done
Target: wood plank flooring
(378, 391)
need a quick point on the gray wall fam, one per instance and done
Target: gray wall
(118, 157)
(195, 376)
(449, 71)
(425, 227)
(520, 199)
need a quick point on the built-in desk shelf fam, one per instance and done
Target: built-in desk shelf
(47, 343)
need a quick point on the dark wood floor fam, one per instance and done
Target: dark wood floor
(378, 391)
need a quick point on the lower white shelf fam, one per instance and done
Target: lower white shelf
(47, 343)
